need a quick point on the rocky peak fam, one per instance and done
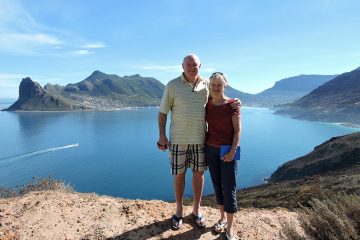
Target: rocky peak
(29, 89)
(135, 76)
(96, 75)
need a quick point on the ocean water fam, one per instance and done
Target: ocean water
(115, 153)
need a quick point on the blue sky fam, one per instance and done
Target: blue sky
(254, 42)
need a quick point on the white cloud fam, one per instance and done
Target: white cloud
(22, 34)
(93, 45)
(164, 68)
(26, 43)
(14, 17)
(19, 31)
(81, 52)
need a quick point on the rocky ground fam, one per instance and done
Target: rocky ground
(62, 215)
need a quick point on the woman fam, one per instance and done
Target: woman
(224, 127)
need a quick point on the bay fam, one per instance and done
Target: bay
(115, 153)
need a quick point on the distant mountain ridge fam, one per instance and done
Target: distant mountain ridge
(246, 98)
(284, 91)
(337, 100)
(300, 83)
(99, 91)
(289, 89)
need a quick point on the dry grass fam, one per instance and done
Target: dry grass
(294, 193)
(7, 193)
(337, 217)
(38, 184)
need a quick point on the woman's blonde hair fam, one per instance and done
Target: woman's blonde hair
(219, 75)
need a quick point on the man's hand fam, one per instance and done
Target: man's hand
(163, 143)
(236, 105)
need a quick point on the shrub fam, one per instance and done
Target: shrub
(38, 184)
(337, 217)
(45, 184)
(7, 193)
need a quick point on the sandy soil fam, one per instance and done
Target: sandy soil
(58, 215)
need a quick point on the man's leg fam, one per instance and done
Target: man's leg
(198, 185)
(178, 170)
(179, 187)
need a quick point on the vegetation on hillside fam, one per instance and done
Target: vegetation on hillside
(337, 217)
(38, 184)
(292, 194)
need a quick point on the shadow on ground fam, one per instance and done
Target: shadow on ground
(158, 228)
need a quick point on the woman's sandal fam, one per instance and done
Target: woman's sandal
(199, 220)
(219, 226)
(176, 222)
(229, 237)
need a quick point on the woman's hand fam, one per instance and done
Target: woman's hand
(228, 157)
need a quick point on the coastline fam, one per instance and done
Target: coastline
(86, 110)
(273, 111)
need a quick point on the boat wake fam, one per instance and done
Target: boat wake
(17, 158)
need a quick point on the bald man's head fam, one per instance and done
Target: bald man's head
(192, 56)
(191, 65)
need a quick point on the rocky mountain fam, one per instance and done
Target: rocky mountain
(99, 91)
(246, 98)
(284, 91)
(32, 97)
(337, 100)
(101, 84)
(290, 89)
(336, 154)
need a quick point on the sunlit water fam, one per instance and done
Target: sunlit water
(114, 153)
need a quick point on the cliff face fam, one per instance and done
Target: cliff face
(337, 154)
(338, 100)
(32, 97)
(284, 91)
(290, 89)
(29, 89)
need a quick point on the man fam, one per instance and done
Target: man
(186, 98)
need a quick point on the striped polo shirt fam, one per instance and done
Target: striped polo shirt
(187, 105)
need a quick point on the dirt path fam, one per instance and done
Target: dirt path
(57, 215)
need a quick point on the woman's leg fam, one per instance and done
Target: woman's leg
(229, 227)
(228, 174)
(212, 155)
(222, 214)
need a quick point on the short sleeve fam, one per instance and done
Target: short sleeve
(234, 111)
(167, 100)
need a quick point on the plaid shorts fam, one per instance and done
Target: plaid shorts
(183, 156)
